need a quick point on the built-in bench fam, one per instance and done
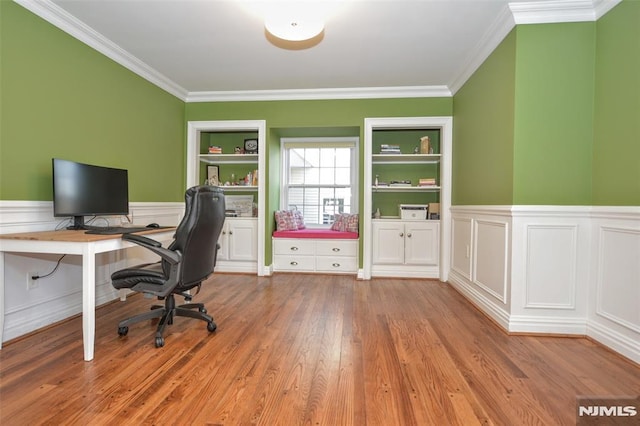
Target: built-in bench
(315, 250)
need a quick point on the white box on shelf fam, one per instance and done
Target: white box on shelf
(242, 204)
(413, 211)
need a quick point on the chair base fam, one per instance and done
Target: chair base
(166, 314)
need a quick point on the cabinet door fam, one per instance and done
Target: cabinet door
(223, 241)
(421, 243)
(388, 243)
(243, 239)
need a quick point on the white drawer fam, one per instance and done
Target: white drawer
(336, 264)
(293, 263)
(337, 248)
(293, 246)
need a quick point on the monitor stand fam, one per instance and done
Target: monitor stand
(78, 224)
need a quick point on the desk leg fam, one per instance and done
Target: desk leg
(1, 297)
(88, 300)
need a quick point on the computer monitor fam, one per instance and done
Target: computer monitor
(85, 190)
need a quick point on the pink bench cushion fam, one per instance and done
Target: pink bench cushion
(317, 233)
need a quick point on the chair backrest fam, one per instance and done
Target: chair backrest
(197, 234)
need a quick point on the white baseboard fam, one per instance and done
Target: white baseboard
(485, 304)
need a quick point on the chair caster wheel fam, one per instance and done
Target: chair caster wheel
(211, 326)
(159, 342)
(122, 331)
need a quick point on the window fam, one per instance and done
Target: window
(319, 177)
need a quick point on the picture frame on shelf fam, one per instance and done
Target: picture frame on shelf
(213, 175)
(251, 146)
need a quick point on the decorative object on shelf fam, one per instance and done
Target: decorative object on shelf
(416, 150)
(425, 145)
(237, 150)
(434, 211)
(400, 183)
(427, 182)
(251, 146)
(390, 149)
(213, 175)
(376, 214)
(215, 149)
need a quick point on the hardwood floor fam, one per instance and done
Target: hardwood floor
(307, 350)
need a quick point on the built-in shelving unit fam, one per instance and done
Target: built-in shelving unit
(242, 240)
(391, 245)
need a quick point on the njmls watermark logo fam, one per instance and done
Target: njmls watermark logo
(608, 410)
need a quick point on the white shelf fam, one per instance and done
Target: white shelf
(405, 188)
(405, 158)
(238, 188)
(229, 158)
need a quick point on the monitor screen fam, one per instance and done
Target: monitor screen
(85, 190)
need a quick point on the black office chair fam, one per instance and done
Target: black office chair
(184, 264)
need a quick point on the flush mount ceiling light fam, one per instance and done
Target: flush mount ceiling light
(293, 28)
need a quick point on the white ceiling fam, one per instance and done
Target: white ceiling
(217, 49)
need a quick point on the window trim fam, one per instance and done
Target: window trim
(352, 142)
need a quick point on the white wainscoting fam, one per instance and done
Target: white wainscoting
(60, 296)
(552, 269)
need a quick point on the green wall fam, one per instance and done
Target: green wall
(60, 98)
(553, 131)
(483, 129)
(616, 147)
(535, 101)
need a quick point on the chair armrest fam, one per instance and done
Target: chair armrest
(170, 256)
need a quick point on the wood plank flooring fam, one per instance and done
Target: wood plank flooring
(307, 350)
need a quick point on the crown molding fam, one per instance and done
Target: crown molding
(58, 17)
(521, 13)
(535, 12)
(601, 7)
(318, 94)
(547, 12)
(500, 28)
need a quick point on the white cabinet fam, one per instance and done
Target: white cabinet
(238, 245)
(315, 255)
(405, 248)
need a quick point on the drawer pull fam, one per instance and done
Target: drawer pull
(401, 234)
(294, 248)
(336, 265)
(336, 249)
(409, 235)
(294, 263)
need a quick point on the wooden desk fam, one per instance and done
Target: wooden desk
(75, 243)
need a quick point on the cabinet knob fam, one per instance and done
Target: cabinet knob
(402, 234)
(224, 232)
(336, 265)
(336, 249)
(409, 235)
(230, 232)
(294, 248)
(294, 263)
